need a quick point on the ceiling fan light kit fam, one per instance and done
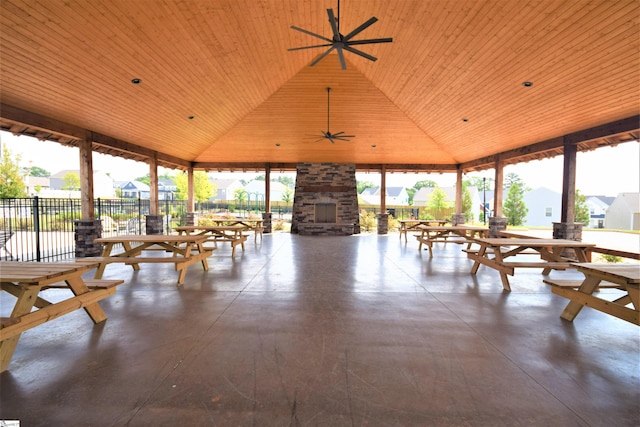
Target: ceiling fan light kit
(340, 42)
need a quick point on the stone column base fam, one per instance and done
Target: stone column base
(154, 224)
(458, 219)
(497, 224)
(383, 223)
(191, 218)
(568, 231)
(86, 231)
(267, 223)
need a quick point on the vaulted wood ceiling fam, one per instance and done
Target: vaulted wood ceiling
(448, 90)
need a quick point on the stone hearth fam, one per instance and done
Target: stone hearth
(326, 200)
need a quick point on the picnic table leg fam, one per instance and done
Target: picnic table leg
(476, 263)
(573, 308)
(24, 304)
(78, 287)
(503, 276)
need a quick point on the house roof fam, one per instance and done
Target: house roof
(218, 78)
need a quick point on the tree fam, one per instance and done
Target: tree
(38, 171)
(480, 183)
(203, 190)
(425, 183)
(582, 214)
(11, 182)
(438, 201)
(514, 208)
(467, 203)
(363, 185)
(513, 178)
(71, 181)
(286, 180)
(287, 195)
(144, 179)
(240, 195)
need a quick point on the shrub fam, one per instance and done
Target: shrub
(367, 220)
(394, 224)
(612, 258)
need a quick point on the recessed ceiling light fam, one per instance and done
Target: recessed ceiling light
(136, 81)
(464, 119)
(277, 145)
(373, 145)
(191, 117)
(527, 84)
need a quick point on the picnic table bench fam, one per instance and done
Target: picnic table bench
(26, 280)
(453, 234)
(233, 234)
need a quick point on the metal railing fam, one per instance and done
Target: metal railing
(43, 229)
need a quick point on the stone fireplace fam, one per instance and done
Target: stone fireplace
(326, 200)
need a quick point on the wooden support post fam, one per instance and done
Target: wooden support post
(569, 183)
(191, 205)
(86, 177)
(383, 189)
(498, 187)
(153, 184)
(267, 188)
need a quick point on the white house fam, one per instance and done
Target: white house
(135, 190)
(624, 212)
(544, 206)
(255, 190)
(102, 185)
(598, 206)
(226, 188)
(395, 196)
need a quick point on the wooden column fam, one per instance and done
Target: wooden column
(267, 188)
(153, 185)
(459, 190)
(569, 184)
(191, 205)
(86, 177)
(498, 187)
(383, 189)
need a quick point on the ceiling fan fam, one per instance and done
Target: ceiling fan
(332, 137)
(340, 42)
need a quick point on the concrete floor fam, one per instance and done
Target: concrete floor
(327, 331)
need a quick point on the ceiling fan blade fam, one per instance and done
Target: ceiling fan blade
(321, 57)
(341, 57)
(361, 53)
(337, 133)
(311, 34)
(334, 25)
(360, 28)
(309, 47)
(371, 41)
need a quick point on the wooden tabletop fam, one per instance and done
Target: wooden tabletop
(450, 227)
(39, 272)
(533, 242)
(151, 238)
(628, 272)
(210, 227)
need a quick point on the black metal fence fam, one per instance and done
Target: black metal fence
(40, 229)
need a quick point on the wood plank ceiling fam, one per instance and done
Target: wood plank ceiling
(218, 86)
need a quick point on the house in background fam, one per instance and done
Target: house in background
(624, 212)
(256, 191)
(226, 189)
(598, 206)
(102, 185)
(395, 196)
(37, 186)
(135, 190)
(166, 189)
(544, 207)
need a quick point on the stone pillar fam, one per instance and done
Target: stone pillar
(458, 219)
(191, 218)
(568, 231)
(383, 223)
(266, 217)
(497, 224)
(86, 231)
(154, 224)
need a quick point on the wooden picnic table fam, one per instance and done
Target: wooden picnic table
(453, 234)
(407, 225)
(625, 277)
(26, 281)
(494, 251)
(215, 233)
(185, 250)
(255, 225)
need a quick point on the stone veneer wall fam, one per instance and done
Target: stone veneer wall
(325, 183)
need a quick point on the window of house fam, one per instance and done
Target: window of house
(548, 212)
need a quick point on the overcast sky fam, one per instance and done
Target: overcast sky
(606, 171)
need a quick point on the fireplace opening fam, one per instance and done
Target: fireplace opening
(326, 213)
